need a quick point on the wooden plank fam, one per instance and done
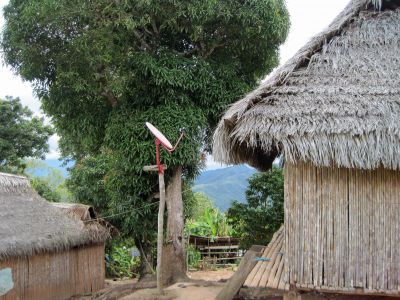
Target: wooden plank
(277, 279)
(273, 256)
(370, 232)
(229, 258)
(298, 276)
(317, 255)
(218, 253)
(351, 214)
(345, 226)
(322, 238)
(220, 247)
(335, 234)
(153, 168)
(236, 281)
(307, 221)
(267, 253)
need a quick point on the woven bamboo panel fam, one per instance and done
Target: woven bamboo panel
(50, 276)
(342, 229)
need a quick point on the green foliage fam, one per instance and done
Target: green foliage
(87, 181)
(120, 262)
(21, 135)
(256, 221)
(200, 205)
(207, 219)
(44, 190)
(194, 257)
(101, 69)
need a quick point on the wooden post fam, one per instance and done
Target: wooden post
(234, 283)
(160, 223)
(160, 231)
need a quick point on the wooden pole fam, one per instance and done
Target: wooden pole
(160, 234)
(160, 223)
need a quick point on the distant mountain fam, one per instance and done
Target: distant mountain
(41, 167)
(224, 185)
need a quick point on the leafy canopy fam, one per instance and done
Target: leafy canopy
(87, 57)
(257, 220)
(21, 135)
(103, 68)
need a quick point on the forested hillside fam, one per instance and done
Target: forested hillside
(224, 185)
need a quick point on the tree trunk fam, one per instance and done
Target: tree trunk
(146, 259)
(174, 254)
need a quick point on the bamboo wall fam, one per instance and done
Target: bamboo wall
(342, 228)
(58, 276)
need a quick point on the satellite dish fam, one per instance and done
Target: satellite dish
(164, 141)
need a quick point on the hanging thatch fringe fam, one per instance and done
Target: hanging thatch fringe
(377, 4)
(337, 101)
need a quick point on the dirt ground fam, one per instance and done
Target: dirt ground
(217, 275)
(206, 287)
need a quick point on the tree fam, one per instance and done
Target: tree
(103, 68)
(21, 135)
(258, 219)
(44, 190)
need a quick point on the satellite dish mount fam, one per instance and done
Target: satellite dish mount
(160, 139)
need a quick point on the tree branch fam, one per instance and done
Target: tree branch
(110, 97)
(140, 38)
(211, 50)
(155, 29)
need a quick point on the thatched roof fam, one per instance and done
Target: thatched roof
(30, 224)
(336, 102)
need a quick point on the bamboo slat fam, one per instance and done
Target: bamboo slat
(341, 232)
(57, 275)
(342, 228)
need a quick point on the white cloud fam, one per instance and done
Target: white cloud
(53, 147)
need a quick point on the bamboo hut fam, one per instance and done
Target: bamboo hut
(333, 113)
(47, 251)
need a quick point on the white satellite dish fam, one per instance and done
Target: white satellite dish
(159, 136)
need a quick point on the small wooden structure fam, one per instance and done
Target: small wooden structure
(333, 114)
(47, 251)
(217, 251)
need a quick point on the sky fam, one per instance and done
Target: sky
(308, 17)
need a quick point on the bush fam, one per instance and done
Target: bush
(119, 261)
(194, 257)
(44, 190)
